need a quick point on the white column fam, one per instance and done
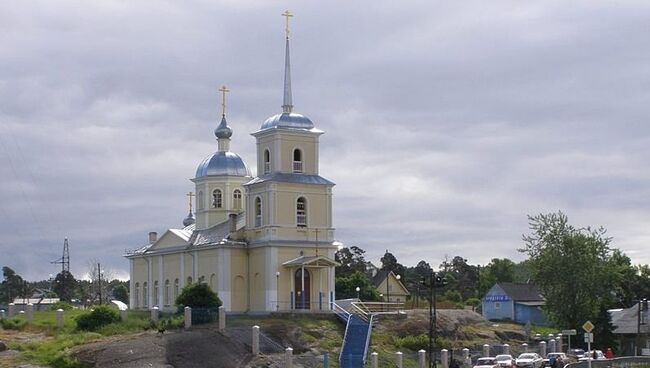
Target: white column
(12, 310)
(3, 314)
(150, 301)
(467, 361)
(195, 271)
(187, 317)
(444, 358)
(422, 358)
(288, 358)
(486, 350)
(29, 312)
(506, 349)
(59, 318)
(181, 280)
(161, 283)
(131, 285)
(374, 359)
(524, 346)
(154, 314)
(222, 318)
(398, 359)
(542, 348)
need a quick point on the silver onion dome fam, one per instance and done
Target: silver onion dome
(289, 120)
(189, 220)
(223, 130)
(222, 163)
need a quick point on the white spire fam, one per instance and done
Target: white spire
(287, 104)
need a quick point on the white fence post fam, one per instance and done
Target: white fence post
(123, 315)
(12, 310)
(551, 346)
(542, 348)
(525, 347)
(374, 359)
(188, 317)
(3, 314)
(486, 350)
(422, 358)
(288, 358)
(467, 361)
(222, 318)
(154, 314)
(29, 312)
(444, 358)
(506, 349)
(398, 359)
(59, 318)
(256, 340)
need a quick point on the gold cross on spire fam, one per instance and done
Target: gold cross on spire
(223, 91)
(287, 15)
(190, 194)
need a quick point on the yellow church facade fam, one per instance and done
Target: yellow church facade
(263, 243)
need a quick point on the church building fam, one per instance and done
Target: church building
(263, 243)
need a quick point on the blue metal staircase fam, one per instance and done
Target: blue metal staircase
(355, 342)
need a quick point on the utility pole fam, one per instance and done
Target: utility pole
(64, 261)
(99, 282)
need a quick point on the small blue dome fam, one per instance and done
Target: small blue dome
(288, 120)
(223, 130)
(189, 220)
(222, 164)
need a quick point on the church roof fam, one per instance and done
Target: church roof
(217, 234)
(291, 178)
(222, 163)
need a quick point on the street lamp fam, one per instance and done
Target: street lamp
(434, 282)
(358, 289)
(277, 293)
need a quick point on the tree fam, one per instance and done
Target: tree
(461, 276)
(498, 270)
(554, 247)
(64, 285)
(346, 287)
(198, 295)
(12, 286)
(121, 293)
(389, 263)
(351, 260)
(99, 277)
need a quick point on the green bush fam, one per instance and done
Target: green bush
(198, 295)
(13, 323)
(101, 316)
(413, 343)
(61, 305)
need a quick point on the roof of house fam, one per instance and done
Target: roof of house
(626, 321)
(381, 276)
(520, 292)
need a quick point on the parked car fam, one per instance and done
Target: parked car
(505, 360)
(487, 362)
(529, 360)
(593, 355)
(558, 356)
(576, 353)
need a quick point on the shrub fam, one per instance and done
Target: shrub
(198, 295)
(61, 305)
(101, 316)
(413, 343)
(13, 323)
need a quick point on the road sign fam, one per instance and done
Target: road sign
(569, 332)
(589, 337)
(588, 326)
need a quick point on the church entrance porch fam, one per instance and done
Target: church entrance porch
(312, 283)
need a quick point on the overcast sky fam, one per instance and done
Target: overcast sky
(447, 122)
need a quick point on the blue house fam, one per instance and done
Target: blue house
(515, 302)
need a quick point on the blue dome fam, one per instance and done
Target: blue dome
(288, 120)
(222, 164)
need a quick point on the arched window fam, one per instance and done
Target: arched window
(166, 292)
(213, 282)
(301, 212)
(297, 161)
(145, 295)
(236, 199)
(136, 296)
(267, 161)
(199, 200)
(217, 198)
(258, 212)
(175, 289)
(155, 293)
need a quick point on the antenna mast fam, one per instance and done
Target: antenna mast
(64, 261)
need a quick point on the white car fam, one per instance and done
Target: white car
(589, 355)
(487, 362)
(505, 360)
(529, 360)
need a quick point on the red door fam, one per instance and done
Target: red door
(302, 297)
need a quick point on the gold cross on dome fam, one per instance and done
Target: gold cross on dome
(223, 91)
(287, 15)
(190, 194)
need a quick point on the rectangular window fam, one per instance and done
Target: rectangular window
(297, 166)
(301, 214)
(497, 305)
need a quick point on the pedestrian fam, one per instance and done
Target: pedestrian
(609, 354)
